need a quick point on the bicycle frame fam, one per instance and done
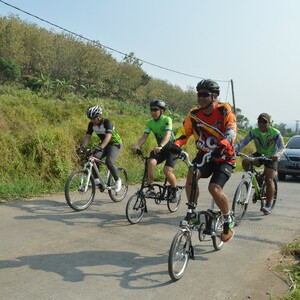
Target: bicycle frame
(243, 191)
(250, 177)
(162, 187)
(90, 164)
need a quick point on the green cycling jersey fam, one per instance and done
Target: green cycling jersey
(159, 128)
(269, 143)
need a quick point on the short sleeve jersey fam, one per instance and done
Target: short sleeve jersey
(159, 128)
(106, 126)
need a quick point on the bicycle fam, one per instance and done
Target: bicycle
(137, 205)
(206, 222)
(251, 179)
(80, 188)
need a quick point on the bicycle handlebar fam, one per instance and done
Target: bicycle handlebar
(186, 158)
(253, 158)
(141, 153)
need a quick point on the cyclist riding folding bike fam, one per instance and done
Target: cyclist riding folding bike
(162, 128)
(213, 126)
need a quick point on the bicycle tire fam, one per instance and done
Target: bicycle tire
(76, 196)
(135, 208)
(264, 193)
(179, 254)
(239, 207)
(201, 234)
(218, 229)
(118, 196)
(173, 206)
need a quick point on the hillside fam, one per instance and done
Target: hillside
(39, 138)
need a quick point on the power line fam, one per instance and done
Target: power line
(103, 46)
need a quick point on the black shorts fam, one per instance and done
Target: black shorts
(220, 172)
(268, 164)
(164, 155)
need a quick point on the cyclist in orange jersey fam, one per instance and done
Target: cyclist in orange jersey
(213, 125)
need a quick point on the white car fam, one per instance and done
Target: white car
(289, 163)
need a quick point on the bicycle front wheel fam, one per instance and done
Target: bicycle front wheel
(264, 193)
(135, 208)
(119, 196)
(79, 192)
(173, 206)
(240, 203)
(179, 254)
(218, 229)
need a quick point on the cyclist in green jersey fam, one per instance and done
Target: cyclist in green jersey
(268, 142)
(110, 143)
(161, 126)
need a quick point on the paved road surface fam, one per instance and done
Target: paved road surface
(48, 251)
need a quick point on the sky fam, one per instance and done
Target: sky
(254, 43)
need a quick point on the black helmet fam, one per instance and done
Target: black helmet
(94, 112)
(159, 103)
(210, 85)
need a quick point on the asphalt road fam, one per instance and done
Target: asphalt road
(48, 251)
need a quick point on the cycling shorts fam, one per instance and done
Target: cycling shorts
(167, 156)
(220, 172)
(268, 164)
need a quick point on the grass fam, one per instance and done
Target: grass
(291, 269)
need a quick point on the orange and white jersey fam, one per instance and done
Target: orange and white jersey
(208, 130)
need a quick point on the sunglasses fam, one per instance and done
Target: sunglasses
(262, 121)
(204, 95)
(154, 109)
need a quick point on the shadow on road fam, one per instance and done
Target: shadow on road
(127, 267)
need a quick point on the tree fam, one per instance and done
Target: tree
(242, 121)
(9, 69)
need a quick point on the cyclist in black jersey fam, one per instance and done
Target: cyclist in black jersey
(110, 142)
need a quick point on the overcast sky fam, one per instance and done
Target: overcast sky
(256, 43)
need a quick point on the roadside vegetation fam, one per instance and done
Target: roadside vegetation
(290, 269)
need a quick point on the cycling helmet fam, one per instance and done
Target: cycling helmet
(210, 85)
(94, 112)
(159, 103)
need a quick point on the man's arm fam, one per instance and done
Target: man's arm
(86, 140)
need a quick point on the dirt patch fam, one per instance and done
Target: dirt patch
(266, 281)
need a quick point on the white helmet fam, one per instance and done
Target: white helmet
(94, 112)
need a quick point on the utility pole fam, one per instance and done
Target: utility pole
(297, 126)
(232, 92)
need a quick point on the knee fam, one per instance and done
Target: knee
(109, 163)
(214, 189)
(168, 171)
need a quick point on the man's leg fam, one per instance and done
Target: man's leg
(113, 152)
(168, 171)
(150, 175)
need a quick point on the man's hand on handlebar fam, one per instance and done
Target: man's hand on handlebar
(80, 150)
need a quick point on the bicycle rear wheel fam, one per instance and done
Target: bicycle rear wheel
(218, 229)
(79, 192)
(135, 208)
(239, 205)
(118, 196)
(264, 193)
(180, 251)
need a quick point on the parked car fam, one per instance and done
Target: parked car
(289, 163)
